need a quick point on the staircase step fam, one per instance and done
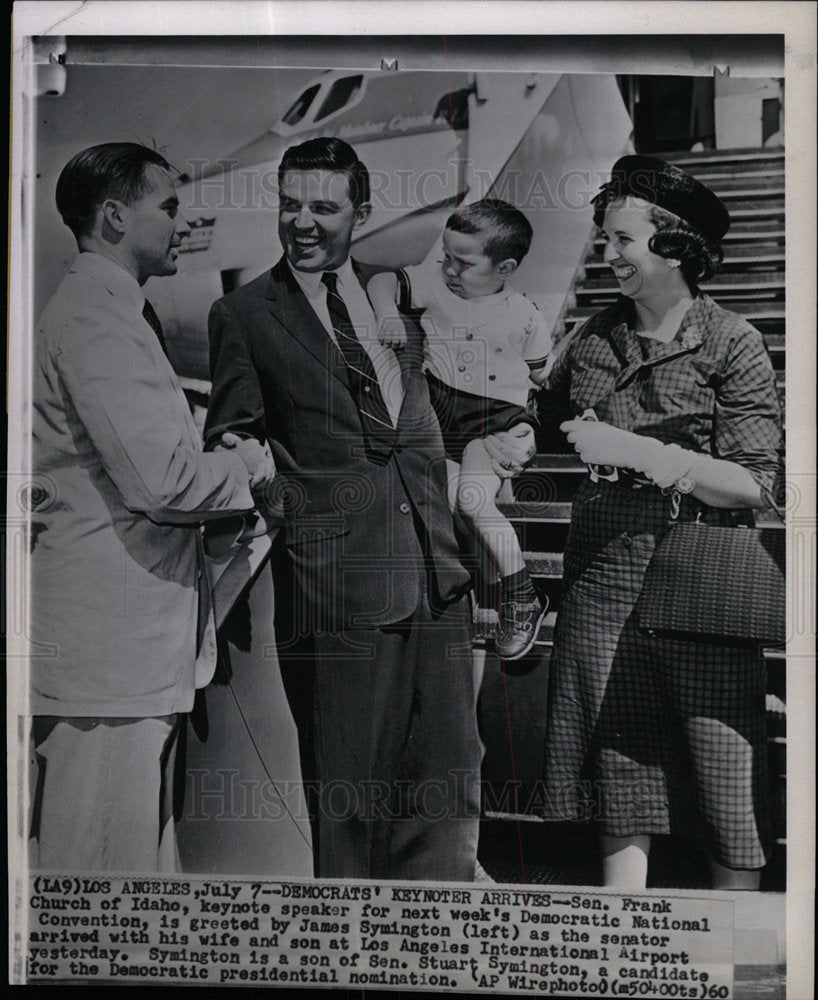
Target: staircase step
(726, 282)
(708, 157)
(760, 235)
(736, 258)
(753, 232)
(537, 511)
(743, 210)
(715, 174)
(738, 189)
(739, 253)
(746, 227)
(745, 185)
(751, 311)
(727, 294)
(776, 343)
(749, 207)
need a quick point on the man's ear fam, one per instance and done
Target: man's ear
(113, 216)
(507, 267)
(362, 213)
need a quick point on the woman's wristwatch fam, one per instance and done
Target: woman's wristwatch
(684, 484)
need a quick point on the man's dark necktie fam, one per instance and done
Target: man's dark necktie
(379, 433)
(149, 315)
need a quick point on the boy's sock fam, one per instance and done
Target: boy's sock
(518, 587)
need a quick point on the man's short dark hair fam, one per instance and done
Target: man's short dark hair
(507, 232)
(110, 170)
(329, 154)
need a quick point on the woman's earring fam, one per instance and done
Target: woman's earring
(672, 262)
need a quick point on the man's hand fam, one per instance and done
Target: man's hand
(257, 459)
(510, 451)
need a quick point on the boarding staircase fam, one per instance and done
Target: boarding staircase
(513, 695)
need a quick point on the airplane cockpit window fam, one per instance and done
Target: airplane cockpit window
(343, 92)
(299, 109)
(454, 107)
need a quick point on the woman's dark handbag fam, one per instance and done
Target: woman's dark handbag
(714, 581)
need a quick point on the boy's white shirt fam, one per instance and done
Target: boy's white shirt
(482, 345)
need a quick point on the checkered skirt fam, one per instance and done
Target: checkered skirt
(649, 734)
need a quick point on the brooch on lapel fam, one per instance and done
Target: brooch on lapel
(691, 337)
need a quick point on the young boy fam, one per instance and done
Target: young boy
(486, 345)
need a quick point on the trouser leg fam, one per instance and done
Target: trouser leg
(397, 749)
(439, 839)
(105, 795)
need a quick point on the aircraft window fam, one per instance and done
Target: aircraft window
(454, 107)
(342, 92)
(299, 109)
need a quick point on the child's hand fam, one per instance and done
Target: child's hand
(392, 332)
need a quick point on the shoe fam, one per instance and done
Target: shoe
(519, 627)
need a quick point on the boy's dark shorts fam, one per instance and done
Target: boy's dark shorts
(463, 416)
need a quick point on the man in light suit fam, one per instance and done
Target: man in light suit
(376, 629)
(121, 620)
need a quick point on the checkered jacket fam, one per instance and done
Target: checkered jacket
(711, 389)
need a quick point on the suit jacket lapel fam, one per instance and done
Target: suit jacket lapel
(188, 422)
(292, 309)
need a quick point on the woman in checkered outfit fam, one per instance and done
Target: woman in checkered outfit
(674, 408)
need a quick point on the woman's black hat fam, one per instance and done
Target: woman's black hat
(669, 187)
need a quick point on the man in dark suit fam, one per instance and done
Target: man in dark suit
(378, 615)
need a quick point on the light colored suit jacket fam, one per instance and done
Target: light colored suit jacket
(120, 622)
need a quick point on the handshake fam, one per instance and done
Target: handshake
(257, 459)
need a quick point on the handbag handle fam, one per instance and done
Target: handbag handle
(767, 494)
